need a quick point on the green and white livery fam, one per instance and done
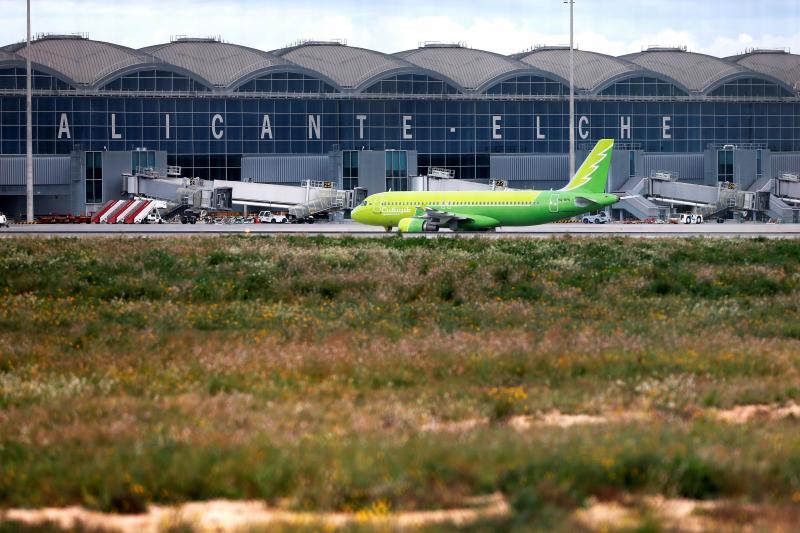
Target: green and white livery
(416, 212)
(596, 164)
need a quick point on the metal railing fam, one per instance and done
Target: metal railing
(317, 184)
(216, 92)
(736, 146)
(147, 172)
(664, 175)
(327, 200)
(641, 206)
(443, 173)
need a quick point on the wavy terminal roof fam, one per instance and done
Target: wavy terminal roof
(87, 64)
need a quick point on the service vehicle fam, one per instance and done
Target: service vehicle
(691, 218)
(599, 218)
(310, 219)
(3, 221)
(61, 218)
(153, 218)
(189, 217)
(268, 217)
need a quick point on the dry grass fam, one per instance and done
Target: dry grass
(331, 374)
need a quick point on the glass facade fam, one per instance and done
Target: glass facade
(94, 177)
(285, 82)
(154, 80)
(750, 87)
(349, 169)
(725, 165)
(759, 161)
(14, 79)
(143, 159)
(642, 86)
(207, 135)
(411, 84)
(396, 170)
(529, 85)
(631, 164)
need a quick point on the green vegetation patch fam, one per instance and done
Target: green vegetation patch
(336, 373)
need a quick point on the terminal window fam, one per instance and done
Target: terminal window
(94, 177)
(631, 164)
(411, 84)
(725, 165)
(15, 79)
(286, 82)
(349, 169)
(142, 159)
(154, 80)
(396, 170)
(759, 172)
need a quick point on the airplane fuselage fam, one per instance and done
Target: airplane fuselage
(415, 212)
(486, 209)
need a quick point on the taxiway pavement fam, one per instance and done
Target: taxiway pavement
(349, 228)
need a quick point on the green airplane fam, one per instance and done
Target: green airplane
(417, 212)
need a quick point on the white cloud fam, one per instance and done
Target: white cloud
(725, 46)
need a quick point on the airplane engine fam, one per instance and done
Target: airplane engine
(416, 225)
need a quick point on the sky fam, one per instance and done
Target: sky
(616, 27)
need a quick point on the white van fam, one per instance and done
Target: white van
(3, 221)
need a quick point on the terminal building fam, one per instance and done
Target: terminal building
(360, 118)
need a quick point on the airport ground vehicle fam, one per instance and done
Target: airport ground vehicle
(691, 218)
(306, 220)
(268, 217)
(153, 218)
(53, 218)
(3, 220)
(189, 217)
(599, 218)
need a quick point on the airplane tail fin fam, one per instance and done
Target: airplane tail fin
(593, 174)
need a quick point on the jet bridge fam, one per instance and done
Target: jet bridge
(309, 199)
(706, 200)
(662, 192)
(784, 197)
(634, 202)
(442, 179)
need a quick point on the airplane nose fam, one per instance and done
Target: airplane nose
(355, 214)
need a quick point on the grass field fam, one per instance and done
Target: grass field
(384, 375)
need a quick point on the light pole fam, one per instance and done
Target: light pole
(29, 127)
(571, 94)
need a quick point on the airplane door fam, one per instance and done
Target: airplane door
(377, 208)
(554, 203)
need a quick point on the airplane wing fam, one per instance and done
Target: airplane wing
(442, 218)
